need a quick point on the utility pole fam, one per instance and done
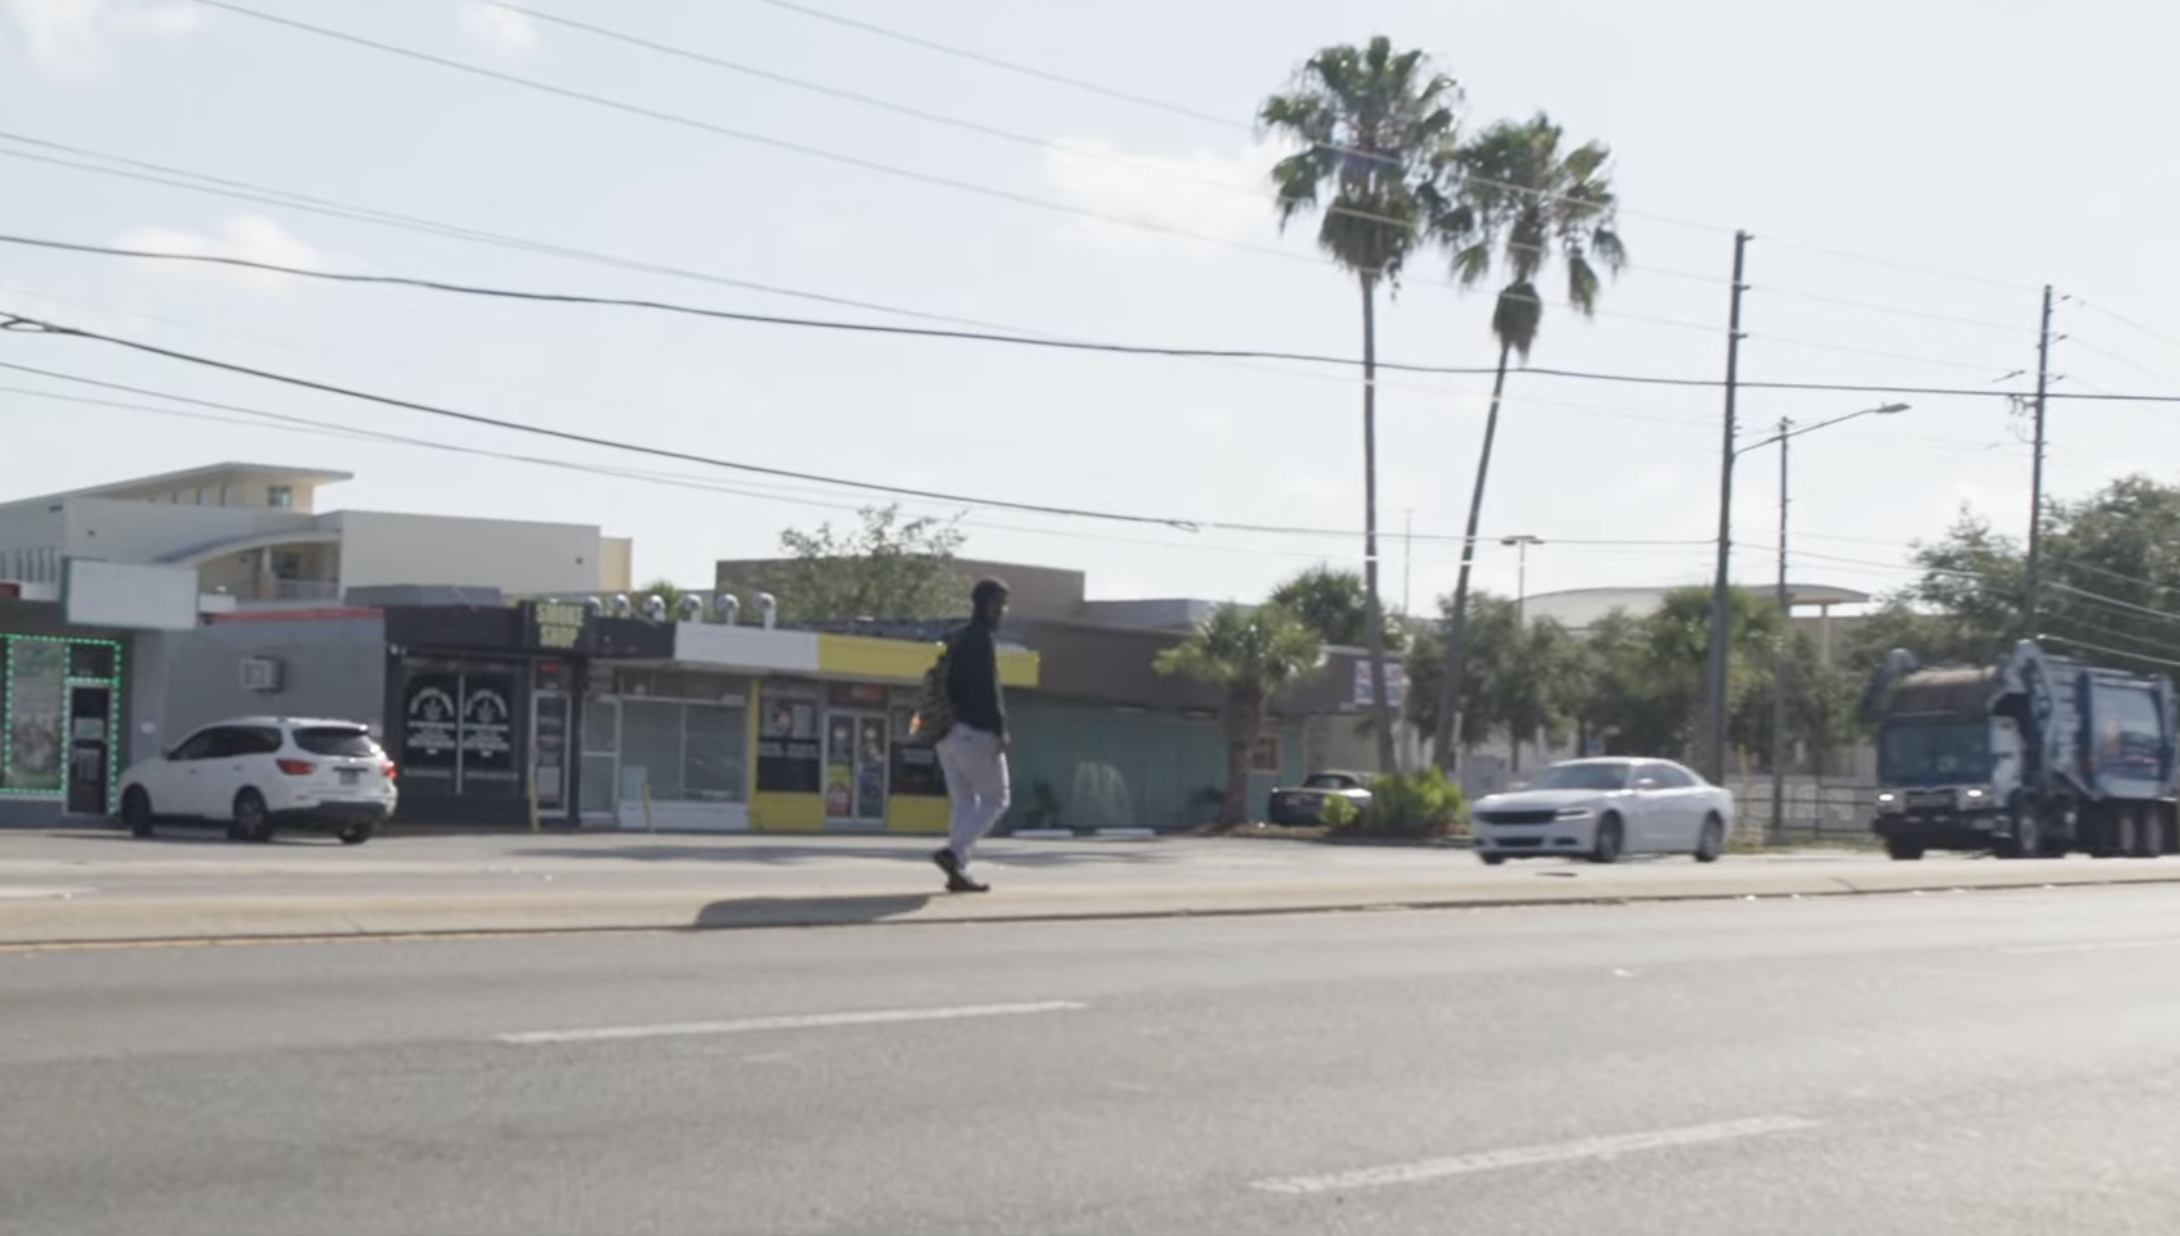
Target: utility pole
(2032, 599)
(1779, 667)
(1521, 546)
(1407, 563)
(1714, 745)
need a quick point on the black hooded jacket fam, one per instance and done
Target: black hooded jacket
(972, 679)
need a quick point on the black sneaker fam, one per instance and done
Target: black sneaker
(947, 863)
(961, 883)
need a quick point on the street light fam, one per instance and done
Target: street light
(1520, 545)
(1720, 611)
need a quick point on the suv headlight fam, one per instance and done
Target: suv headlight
(1888, 801)
(1975, 794)
(1574, 813)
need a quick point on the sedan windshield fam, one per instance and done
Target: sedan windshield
(1582, 777)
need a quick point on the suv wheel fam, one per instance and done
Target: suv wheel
(251, 821)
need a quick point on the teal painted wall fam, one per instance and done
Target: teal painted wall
(1116, 770)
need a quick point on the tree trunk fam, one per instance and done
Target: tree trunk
(1381, 712)
(1449, 736)
(1244, 721)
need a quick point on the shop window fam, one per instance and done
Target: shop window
(790, 757)
(36, 697)
(686, 752)
(458, 729)
(1270, 754)
(88, 660)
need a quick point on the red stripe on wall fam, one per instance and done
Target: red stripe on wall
(294, 615)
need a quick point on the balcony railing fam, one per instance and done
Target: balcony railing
(300, 590)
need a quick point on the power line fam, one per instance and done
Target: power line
(1007, 65)
(303, 425)
(450, 287)
(1254, 191)
(857, 161)
(22, 324)
(2124, 320)
(259, 418)
(247, 191)
(1228, 122)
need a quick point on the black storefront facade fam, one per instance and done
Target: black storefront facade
(485, 703)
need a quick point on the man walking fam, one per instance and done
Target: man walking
(973, 751)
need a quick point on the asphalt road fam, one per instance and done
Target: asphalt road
(1991, 1063)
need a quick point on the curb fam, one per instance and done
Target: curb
(48, 923)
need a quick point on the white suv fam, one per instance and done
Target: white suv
(256, 774)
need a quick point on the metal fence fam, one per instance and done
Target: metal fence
(1813, 810)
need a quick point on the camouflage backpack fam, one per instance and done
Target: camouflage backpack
(934, 709)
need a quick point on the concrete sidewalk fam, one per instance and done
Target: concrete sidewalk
(84, 888)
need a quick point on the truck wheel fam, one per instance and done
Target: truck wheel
(1903, 851)
(2149, 833)
(2027, 840)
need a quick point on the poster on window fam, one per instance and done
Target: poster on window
(870, 768)
(789, 760)
(37, 694)
(431, 715)
(915, 766)
(488, 751)
(840, 768)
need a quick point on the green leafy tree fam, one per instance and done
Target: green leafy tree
(1336, 605)
(1646, 692)
(1251, 653)
(886, 568)
(1519, 198)
(2111, 587)
(1523, 678)
(1374, 129)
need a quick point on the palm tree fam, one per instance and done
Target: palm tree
(1376, 129)
(1252, 654)
(1522, 199)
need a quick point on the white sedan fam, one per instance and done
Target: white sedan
(1601, 809)
(258, 774)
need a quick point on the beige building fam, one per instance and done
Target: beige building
(255, 533)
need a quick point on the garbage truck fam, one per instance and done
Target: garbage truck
(2037, 756)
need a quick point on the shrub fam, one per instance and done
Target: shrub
(1417, 804)
(1339, 812)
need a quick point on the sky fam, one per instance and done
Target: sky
(1912, 172)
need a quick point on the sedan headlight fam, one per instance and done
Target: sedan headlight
(1574, 813)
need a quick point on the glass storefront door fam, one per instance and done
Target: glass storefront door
(601, 758)
(858, 747)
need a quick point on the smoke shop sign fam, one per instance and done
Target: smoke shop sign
(555, 626)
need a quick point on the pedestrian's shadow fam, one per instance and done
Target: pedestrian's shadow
(839, 911)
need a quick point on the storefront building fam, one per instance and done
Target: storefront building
(61, 708)
(747, 728)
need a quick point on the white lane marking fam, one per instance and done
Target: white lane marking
(27, 892)
(1531, 1156)
(812, 1021)
(2038, 950)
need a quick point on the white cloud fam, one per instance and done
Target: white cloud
(75, 39)
(499, 28)
(251, 238)
(1218, 194)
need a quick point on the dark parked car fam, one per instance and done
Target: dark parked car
(1304, 805)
